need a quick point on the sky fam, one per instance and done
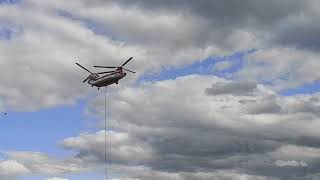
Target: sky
(224, 90)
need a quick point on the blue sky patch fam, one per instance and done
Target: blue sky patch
(204, 67)
(44, 128)
(5, 33)
(8, 32)
(9, 1)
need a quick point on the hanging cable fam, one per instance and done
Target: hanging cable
(105, 131)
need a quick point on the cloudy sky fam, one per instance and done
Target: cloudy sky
(224, 90)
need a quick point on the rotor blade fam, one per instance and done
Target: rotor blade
(126, 61)
(86, 79)
(128, 70)
(105, 72)
(105, 67)
(83, 68)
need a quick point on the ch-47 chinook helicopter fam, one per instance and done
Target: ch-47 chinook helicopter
(111, 77)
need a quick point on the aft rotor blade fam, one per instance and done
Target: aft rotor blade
(126, 61)
(83, 68)
(128, 70)
(105, 67)
(105, 72)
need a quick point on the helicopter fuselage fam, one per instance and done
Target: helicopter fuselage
(107, 80)
(108, 77)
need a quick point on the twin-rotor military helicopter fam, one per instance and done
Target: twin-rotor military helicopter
(111, 77)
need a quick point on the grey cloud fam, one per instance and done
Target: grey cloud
(293, 29)
(267, 105)
(302, 35)
(234, 88)
(244, 137)
(143, 173)
(300, 30)
(306, 106)
(257, 24)
(230, 11)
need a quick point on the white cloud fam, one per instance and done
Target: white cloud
(302, 153)
(12, 168)
(223, 65)
(56, 178)
(285, 67)
(40, 163)
(122, 147)
(48, 44)
(293, 163)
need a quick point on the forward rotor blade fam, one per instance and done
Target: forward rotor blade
(83, 68)
(105, 72)
(86, 79)
(126, 61)
(128, 70)
(105, 67)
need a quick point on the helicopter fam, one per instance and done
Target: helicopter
(111, 77)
